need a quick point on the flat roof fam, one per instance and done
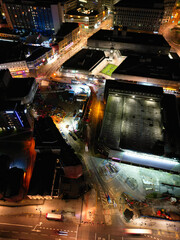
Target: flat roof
(140, 121)
(86, 59)
(37, 52)
(15, 87)
(12, 51)
(130, 37)
(19, 87)
(66, 28)
(47, 136)
(118, 86)
(150, 4)
(75, 12)
(132, 123)
(161, 67)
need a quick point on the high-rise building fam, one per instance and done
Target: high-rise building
(168, 8)
(43, 17)
(139, 15)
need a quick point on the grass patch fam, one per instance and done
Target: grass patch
(109, 69)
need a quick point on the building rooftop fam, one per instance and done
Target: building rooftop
(11, 51)
(36, 52)
(135, 119)
(148, 4)
(161, 67)
(66, 28)
(47, 136)
(14, 88)
(19, 87)
(82, 13)
(130, 37)
(85, 59)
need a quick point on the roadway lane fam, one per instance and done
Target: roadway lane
(34, 226)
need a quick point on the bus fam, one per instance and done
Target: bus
(137, 232)
(54, 216)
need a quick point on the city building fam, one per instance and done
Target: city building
(57, 169)
(139, 15)
(128, 42)
(169, 5)
(34, 16)
(37, 56)
(15, 94)
(66, 37)
(6, 33)
(86, 18)
(140, 125)
(21, 59)
(99, 5)
(153, 70)
(82, 63)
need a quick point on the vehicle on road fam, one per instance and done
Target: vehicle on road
(54, 216)
(137, 232)
(62, 233)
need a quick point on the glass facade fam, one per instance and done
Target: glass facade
(26, 18)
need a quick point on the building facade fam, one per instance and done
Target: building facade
(168, 9)
(138, 15)
(86, 18)
(68, 40)
(36, 17)
(20, 59)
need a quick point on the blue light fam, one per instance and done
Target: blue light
(17, 115)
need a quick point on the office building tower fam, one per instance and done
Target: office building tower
(168, 8)
(43, 17)
(139, 15)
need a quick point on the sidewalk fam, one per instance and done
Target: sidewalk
(41, 206)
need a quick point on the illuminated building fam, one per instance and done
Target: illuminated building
(6, 33)
(139, 15)
(82, 63)
(34, 16)
(168, 8)
(21, 59)
(67, 36)
(86, 18)
(140, 126)
(16, 93)
(98, 5)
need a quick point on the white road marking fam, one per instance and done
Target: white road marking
(76, 232)
(95, 236)
(18, 225)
